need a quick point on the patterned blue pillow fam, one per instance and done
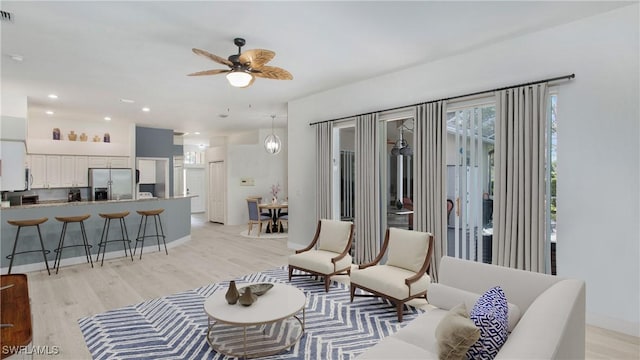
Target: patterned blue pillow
(490, 315)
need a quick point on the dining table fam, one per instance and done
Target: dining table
(275, 209)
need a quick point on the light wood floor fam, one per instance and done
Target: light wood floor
(215, 253)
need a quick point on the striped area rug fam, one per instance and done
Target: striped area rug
(175, 326)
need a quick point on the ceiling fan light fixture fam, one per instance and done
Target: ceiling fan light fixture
(239, 78)
(406, 151)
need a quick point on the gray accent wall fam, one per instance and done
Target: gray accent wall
(152, 142)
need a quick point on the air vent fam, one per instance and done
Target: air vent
(6, 16)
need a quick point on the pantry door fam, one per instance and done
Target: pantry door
(196, 188)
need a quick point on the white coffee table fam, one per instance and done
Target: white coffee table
(268, 326)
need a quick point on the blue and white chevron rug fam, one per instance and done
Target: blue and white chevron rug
(175, 326)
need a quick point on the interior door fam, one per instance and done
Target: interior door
(195, 188)
(217, 191)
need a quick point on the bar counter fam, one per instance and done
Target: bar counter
(176, 222)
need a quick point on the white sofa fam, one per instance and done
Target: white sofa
(546, 313)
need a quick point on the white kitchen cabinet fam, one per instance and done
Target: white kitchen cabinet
(57, 171)
(67, 171)
(38, 168)
(119, 162)
(74, 171)
(108, 161)
(98, 161)
(82, 171)
(147, 170)
(53, 171)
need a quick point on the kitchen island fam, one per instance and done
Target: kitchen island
(176, 222)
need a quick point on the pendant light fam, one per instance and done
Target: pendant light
(272, 142)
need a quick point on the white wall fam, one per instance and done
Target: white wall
(598, 143)
(246, 157)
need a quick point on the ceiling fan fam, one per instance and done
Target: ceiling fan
(244, 67)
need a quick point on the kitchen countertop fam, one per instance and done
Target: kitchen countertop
(52, 203)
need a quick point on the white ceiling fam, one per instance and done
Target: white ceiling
(92, 54)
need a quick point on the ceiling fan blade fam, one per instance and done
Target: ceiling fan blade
(273, 72)
(256, 58)
(215, 58)
(209, 72)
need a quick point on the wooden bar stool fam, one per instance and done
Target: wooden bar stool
(104, 238)
(24, 223)
(66, 220)
(159, 234)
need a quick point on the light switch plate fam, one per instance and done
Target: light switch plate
(247, 182)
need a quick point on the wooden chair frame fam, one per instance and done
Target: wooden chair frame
(399, 303)
(280, 221)
(327, 277)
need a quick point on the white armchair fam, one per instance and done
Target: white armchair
(328, 253)
(403, 277)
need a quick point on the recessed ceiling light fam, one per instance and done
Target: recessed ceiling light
(107, 118)
(52, 96)
(146, 109)
(197, 133)
(49, 112)
(128, 101)
(201, 146)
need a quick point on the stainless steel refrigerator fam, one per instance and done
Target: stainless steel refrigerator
(111, 184)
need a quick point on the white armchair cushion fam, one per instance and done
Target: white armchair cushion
(389, 280)
(319, 261)
(407, 249)
(334, 235)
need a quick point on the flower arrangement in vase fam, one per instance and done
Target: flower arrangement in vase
(275, 189)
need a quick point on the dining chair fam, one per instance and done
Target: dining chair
(255, 217)
(281, 219)
(259, 198)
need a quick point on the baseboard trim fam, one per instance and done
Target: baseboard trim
(609, 323)
(22, 269)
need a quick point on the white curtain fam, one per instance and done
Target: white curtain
(367, 189)
(519, 222)
(324, 165)
(430, 209)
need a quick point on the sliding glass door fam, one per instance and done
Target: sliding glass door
(344, 170)
(397, 168)
(471, 139)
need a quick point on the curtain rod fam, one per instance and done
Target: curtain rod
(567, 77)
